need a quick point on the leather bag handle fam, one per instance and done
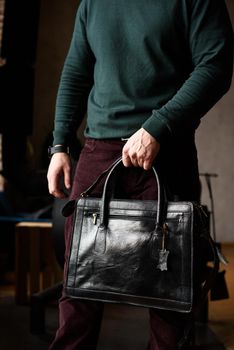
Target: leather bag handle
(98, 179)
(162, 198)
(161, 202)
(69, 207)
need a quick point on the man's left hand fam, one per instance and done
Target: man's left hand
(140, 150)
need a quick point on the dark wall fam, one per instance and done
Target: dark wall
(20, 28)
(56, 25)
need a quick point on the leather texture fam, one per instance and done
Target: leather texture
(134, 251)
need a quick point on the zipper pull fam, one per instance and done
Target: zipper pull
(95, 218)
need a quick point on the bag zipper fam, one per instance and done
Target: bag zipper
(95, 216)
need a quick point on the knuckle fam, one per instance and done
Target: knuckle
(125, 151)
(132, 154)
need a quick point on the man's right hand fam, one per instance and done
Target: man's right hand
(59, 169)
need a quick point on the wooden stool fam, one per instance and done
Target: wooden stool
(35, 259)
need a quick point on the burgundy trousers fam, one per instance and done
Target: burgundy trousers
(80, 321)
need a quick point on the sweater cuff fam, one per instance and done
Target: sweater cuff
(157, 128)
(60, 138)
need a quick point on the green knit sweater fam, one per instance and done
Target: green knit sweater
(156, 64)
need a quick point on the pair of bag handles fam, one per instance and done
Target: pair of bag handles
(161, 200)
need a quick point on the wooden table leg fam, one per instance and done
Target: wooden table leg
(29, 254)
(21, 265)
(34, 264)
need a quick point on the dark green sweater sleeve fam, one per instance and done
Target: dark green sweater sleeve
(75, 83)
(211, 47)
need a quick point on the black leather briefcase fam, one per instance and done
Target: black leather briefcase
(139, 252)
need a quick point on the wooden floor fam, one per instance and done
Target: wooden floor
(124, 328)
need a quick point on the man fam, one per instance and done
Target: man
(145, 72)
